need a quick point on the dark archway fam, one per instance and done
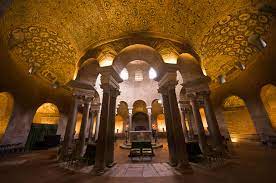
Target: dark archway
(140, 122)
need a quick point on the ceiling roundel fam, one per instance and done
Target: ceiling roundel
(53, 57)
(227, 41)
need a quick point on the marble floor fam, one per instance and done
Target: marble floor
(254, 163)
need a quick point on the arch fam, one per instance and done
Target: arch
(160, 122)
(123, 109)
(268, 95)
(139, 106)
(47, 113)
(6, 108)
(119, 124)
(156, 108)
(140, 121)
(238, 120)
(189, 67)
(138, 52)
(88, 71)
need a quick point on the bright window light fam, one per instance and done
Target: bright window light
(152, 73)
(124, 74)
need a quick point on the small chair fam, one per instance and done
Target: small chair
(135, 150)
(147, 149)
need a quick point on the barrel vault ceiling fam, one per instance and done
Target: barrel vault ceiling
(53, 35)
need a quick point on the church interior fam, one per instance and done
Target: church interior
(138, 91)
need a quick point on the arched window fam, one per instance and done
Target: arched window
(152, 73)
(138, 75)
(124, 74)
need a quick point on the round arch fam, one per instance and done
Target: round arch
(47, 113)
(268, 95)
(88, 71)
(238, 120)
(139, 106)
(138, 52)
(6, 108)
(140, 121)
(119, 124)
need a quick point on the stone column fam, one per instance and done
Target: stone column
(182, 156)
(85, 117)
(169, 128)
(70, 127)
(102, 136)
(130, 119)
(149, 116)
(212, 122)
(91, 125)
(109, 83)
(111, 128)
(197, 118)
(259, 116)
(185, 131)
(189, 117)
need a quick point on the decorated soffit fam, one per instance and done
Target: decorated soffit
(48, 108)
(52, 35)
(233, 102)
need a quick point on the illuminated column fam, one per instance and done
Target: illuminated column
(190, 118)
(85, 117)
(183, 120)
(212, 122)
(130, 119)
(91, 125)
(149, 116)
(200, 129)
(70, 128)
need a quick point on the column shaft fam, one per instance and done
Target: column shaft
(201, 133)
(85, 118)
(102, 136)
(91, 125)
(111, 131)
(185, 131)
(190, 124)
(213, 124)
(181, 151)
(70, 128)
(169, 128)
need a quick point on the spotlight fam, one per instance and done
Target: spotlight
(221, 79)
(240, 66)
(257, 41)
(55, 85)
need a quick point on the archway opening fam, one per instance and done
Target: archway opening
(238, 120)
(44, 128)
(268, 95)
(6, 107)
(140, 121)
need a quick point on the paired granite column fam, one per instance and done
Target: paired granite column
(105, 143)
(111, 128)
(185, 130)
(200, 129)
(70, 127)
(91, 126)
(149, 116)
(85, 118)
(169, 127)
(189, 116)
(212, 122)
(176, 139)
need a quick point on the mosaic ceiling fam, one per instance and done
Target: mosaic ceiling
(233, 102)
(53, 35)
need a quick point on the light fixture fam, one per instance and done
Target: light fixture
(152, 73)
(257, 41)
(221, 79)
(240, 65)
(55, 85)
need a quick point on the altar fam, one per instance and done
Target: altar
(140, 136)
